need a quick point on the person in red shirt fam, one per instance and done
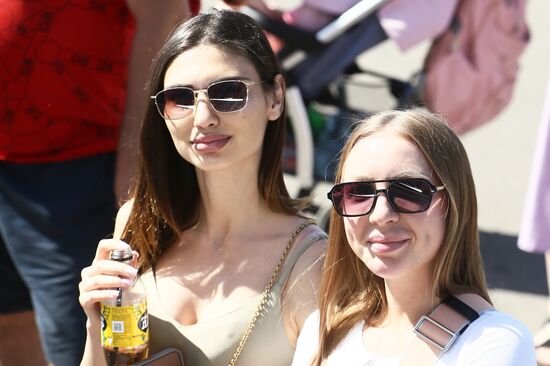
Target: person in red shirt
(72, 77)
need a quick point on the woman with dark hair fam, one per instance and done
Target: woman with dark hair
(403, 280)
(216, 234)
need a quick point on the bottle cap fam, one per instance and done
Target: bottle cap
(121, 255)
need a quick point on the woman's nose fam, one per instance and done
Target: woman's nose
(204, 114)
(383, 212)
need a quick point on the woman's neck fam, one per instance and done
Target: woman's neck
(408, 300)
(230, 203)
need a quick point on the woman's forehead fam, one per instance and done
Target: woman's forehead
(203, 64)
(384, 155)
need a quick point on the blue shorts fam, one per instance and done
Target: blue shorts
(51, 219)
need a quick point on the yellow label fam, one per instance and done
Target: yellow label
(124, 326)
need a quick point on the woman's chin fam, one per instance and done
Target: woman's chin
(386, 268)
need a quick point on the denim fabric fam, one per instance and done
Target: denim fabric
(51, 219)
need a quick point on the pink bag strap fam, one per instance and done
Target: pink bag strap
(441, 328)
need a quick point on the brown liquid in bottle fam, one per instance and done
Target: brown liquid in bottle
(123, 356)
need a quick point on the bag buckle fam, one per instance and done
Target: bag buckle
(442, 347)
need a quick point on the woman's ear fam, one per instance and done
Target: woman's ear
(276, 98)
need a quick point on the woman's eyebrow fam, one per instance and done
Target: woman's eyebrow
(225, 78)
(237, 77)
(173, 86)
(411, 174)
(400, 175)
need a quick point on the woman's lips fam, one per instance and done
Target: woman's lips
(210, 143)
(383, 246)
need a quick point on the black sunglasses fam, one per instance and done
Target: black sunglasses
(224, 96)
(411, 195)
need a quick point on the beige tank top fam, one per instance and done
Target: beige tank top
(213, 342)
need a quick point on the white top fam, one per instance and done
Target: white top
(495, 339)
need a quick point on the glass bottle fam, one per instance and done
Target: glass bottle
(125, 322)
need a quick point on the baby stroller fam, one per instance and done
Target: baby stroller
(317, 67)
(479, 39)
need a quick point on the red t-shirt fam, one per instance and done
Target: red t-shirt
(195, 6)
(63, 71)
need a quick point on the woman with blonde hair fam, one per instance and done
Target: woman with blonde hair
(403, 280)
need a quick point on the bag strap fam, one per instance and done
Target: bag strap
(441, 328)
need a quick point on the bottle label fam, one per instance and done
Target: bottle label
(124, 326)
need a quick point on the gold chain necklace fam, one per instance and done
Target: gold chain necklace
(265, 293)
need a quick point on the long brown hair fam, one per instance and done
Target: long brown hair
(166, 197)
(349, 291)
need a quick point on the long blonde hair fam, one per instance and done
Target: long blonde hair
(349, 291)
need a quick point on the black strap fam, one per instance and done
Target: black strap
(462, 308)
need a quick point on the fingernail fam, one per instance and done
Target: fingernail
(112, 293)
(123, 245)
(131, 271)
(126, 282)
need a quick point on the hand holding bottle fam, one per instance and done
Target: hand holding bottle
(123, 319)
(102, 279)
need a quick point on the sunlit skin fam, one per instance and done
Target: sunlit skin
(392, 245)
(210, 140)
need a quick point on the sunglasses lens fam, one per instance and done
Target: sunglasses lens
(175, 103)
(410, 195)
(353, 199)
(228, 96)
(358, 198)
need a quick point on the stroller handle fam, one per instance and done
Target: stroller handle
(348, 19)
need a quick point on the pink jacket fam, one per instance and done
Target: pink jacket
(534, 235)
(407, 22)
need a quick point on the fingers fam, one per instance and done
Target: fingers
(102, 279)
(90, 299)
(100, 288)
(104, 282)
(105, 247)
(135, 257)
(109, 267)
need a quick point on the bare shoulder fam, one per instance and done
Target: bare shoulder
(302, 285)
(303, 282)
(312, 243)
(122, 217)
(308, 251)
